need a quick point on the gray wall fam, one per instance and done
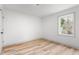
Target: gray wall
(50, 28)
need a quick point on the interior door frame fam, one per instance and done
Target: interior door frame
(2, 30)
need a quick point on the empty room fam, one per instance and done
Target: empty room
(39, 29)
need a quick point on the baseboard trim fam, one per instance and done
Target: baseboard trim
(62, 44)
(44, 39)
(19, 43)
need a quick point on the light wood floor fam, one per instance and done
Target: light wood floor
(39, 47)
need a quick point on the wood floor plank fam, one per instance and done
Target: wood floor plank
(39, 47)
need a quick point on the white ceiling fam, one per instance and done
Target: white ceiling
(40, 10)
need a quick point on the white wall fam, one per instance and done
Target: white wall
(50, 28)
(19, 27)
